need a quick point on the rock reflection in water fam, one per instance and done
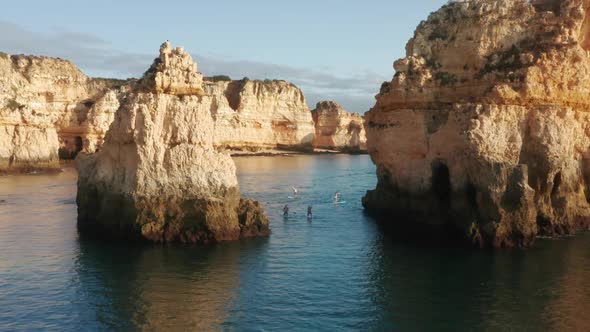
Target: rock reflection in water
(341, 272)
(482, 290)
(159, 288)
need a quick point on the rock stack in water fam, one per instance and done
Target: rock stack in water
(485, 127)
(158, 176)
(336, 129)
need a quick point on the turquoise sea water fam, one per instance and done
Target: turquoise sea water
(339, 272)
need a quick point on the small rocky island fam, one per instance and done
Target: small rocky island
(485, 127)
(158, 175)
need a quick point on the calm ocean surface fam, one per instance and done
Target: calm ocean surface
(338, 273)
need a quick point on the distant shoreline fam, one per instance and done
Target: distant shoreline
(67, 163)
(278, 153)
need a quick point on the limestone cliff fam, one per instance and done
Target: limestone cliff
(485, 126)
(336, 129)
(158, 175)
(45, 106)
(259, 115)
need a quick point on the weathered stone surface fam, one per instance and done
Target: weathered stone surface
(336, 129)
(158, 176)
(28, 148)
(485, 126)
(44, 106)
(173, 72)
(257, 115)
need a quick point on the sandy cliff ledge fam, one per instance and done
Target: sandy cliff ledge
(485, 128)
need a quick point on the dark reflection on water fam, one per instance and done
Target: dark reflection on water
(339, 272)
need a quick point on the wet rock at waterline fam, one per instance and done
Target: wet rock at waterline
(484, 127)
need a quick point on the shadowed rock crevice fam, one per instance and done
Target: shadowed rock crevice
(441, 184)
(232, 93)
(553, 6)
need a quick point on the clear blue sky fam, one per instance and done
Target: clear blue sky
(339, 50)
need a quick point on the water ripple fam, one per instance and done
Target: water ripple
(337, 272)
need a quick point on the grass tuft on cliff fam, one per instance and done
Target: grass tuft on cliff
(14, 105)
(218, 78)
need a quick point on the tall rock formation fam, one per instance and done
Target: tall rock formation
(336, 129)
(158, 175)
(173, 72)
(485, 125)
(257, 115)
(46, 104)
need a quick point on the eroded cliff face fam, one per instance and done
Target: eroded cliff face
(256, 115)
(336, 129)
(158, 176)
(485, 126)
(50, 110)
(46, 104)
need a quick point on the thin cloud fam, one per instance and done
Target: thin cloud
(96, 57)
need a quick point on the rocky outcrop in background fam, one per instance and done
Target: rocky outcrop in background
(336, 129)
(48, 107)
(50, 110)
(258, 115)
(485, 128)
(158, 176)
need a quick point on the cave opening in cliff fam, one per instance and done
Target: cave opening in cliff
(471, 194)
(71, 149)
(232, 94)
(547, 6)
(556, 183)
(78, 145)
(441, 183)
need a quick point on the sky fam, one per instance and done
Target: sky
(332, 50)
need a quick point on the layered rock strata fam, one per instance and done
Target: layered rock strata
(485, 127)
(47, 104)
(158, 176)
(258, 115)
(336, 129)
